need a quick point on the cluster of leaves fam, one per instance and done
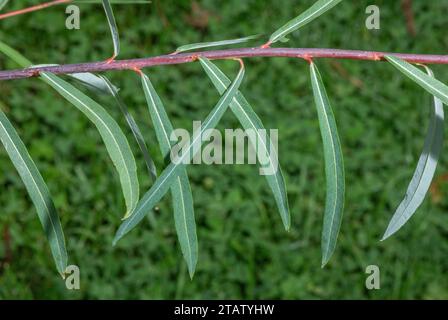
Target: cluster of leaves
(175, 178)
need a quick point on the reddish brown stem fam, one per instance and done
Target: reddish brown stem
(33, 8)
(302, 53)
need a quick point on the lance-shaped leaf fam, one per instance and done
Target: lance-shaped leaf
(200, 45)
(114, 139)
(102, 85)
(169, 175)
(37, 189)
(430, 84)
(250, 121)
(3, 3)
(316, 10)
(334, 167)
(134, 128)
(424, 173)
(112, 26)
(180, 189)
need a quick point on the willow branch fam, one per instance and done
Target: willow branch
(300, 53)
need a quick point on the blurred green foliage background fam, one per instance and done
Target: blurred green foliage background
(244, 250)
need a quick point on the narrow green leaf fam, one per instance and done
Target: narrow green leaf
(334, 167)
(14, 55)
(200, 45)
(37, 189)
(424, 173)
(114, 139)
(430, 84)
(134, 128)
(250, 120)
(112, 26)
(180, 189)
(316, 10)
(3, 3)
(168, 176)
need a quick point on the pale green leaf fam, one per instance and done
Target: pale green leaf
(430, 84)
(114, 139)
(113, 26)
(3, 3)
(171, 172)
(180, 189)
(37, 189)
(316, 10)
(94, 83)
(200, 45)
(424, 173)
(334, 167)
(250, 120)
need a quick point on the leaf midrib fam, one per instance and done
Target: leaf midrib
(107, 128)
(333, 153)
(47, 211)
(178, 177)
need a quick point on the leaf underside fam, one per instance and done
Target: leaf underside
(334, 167)
(424, 173)
(250, 120)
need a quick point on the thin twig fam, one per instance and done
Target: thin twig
(33, 8)
(302, 53)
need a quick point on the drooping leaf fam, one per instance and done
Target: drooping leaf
(37, 189)
(102, 85)
(316, 10)
(430, 84)
(200, 45)
(3, 3)
(180, 189)
(334, 167)
(424, 173)
(134, 128)
(113, 26)
(171, 172)
(114, 139)
(250, 120)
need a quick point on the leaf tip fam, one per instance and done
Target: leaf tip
(191, 271)
(387, 234)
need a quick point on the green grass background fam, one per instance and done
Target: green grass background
(244, 251)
